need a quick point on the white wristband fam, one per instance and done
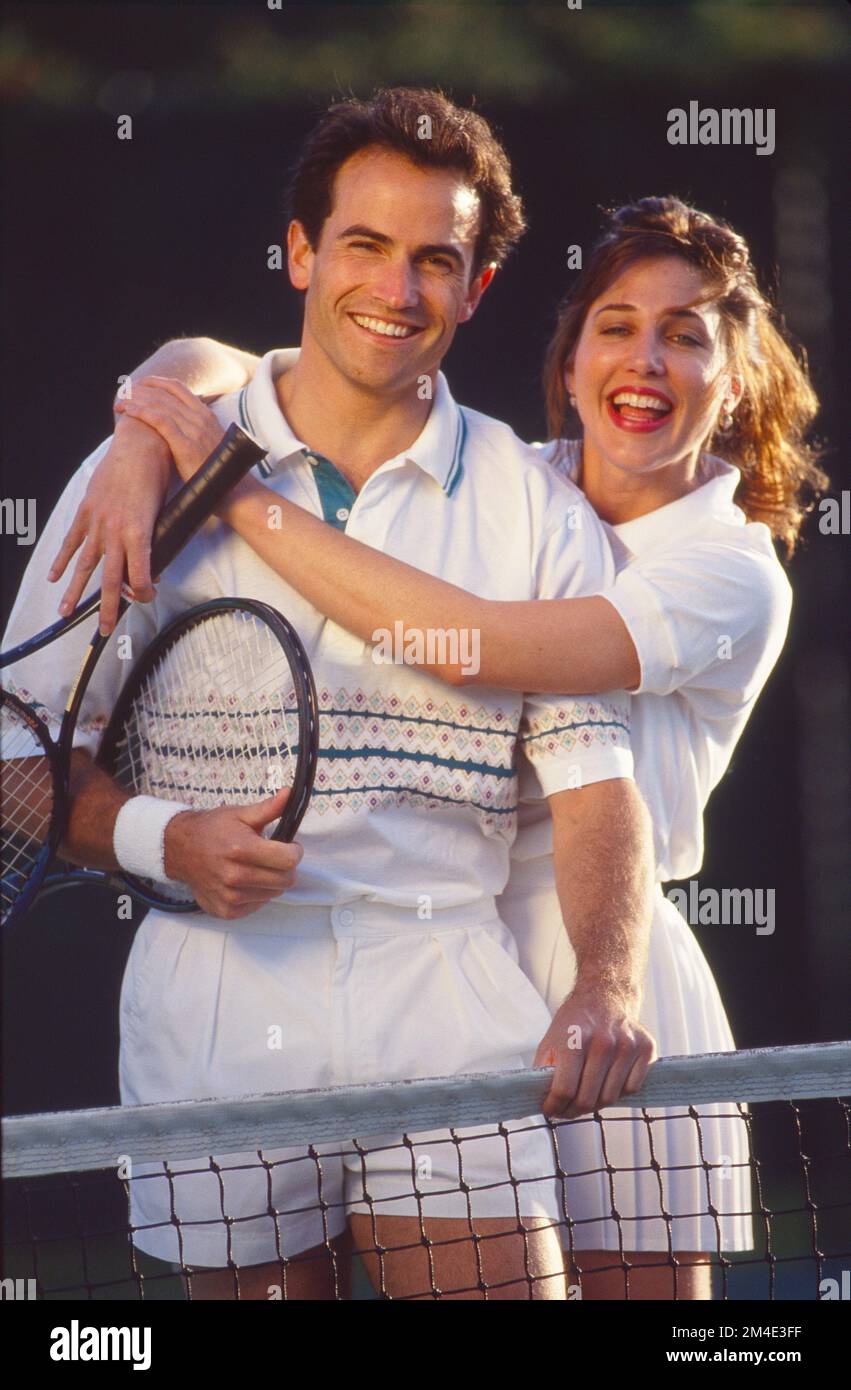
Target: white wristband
(139, 836)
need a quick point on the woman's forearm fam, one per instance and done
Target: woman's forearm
(205, 366)
(356, 586)
(573, 646)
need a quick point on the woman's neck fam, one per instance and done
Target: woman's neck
(618, 495)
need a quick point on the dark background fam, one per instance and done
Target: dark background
(111, 247)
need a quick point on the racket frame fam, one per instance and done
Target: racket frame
(186, 511)
(307, 706)
(50, 750)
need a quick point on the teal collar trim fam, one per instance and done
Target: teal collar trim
(336, 494)
(445, 433)
(456, 467)
(263, 466)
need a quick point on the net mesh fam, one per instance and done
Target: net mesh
(735, 1186)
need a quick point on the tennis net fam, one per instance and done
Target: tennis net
(731, 1167)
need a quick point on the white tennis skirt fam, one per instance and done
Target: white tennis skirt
(680, 1182)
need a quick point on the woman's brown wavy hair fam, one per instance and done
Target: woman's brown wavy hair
(767, 440)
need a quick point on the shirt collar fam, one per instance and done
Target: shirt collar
(712, 499)
(258, 410)
(438, 449)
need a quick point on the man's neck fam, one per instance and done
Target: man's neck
(356, 428)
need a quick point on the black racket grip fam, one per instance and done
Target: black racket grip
(197, 499)
(178, 521)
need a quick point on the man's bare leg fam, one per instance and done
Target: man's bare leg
(442, 1258)
(602, 1276)
(319, 1275)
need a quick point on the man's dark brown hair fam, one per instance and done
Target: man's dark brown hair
(392, 119)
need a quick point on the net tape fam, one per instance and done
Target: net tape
(80, 1140)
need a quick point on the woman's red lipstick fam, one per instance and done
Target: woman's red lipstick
(635, 418)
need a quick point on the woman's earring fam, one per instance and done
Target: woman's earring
(725, 420)
(572, 400)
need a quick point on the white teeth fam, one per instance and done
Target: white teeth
(640, 402)
(390, 330)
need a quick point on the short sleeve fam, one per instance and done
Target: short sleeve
(44, 680)
(574, 558)
(713, 619)
(571, 741)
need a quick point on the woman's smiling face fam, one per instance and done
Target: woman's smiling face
(649, 373)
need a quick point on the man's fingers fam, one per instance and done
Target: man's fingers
(262, 813)
(641, 1066)
(608, 1066)
(254, 881)
(566, 1079)
(594, 1070)
(588, 1080)
(615, 1079)
(545, 1055)
(273, 856)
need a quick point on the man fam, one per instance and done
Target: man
(384, 956)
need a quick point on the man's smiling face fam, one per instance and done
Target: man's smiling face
(390, 278)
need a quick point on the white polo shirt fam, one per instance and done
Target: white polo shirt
(707, 603)
(416, 790)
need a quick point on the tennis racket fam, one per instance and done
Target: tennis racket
(35, 767)
(220, 710)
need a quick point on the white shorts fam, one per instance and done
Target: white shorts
(682, 1009)
(309, 997)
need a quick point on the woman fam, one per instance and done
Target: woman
(664, 348)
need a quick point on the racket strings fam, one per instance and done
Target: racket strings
(27, 796)
(215, 721)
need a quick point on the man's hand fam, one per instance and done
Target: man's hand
(598, 1049)
(225, 860)
(603, 858)
(116, 519)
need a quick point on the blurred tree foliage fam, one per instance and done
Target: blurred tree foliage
(202, 55)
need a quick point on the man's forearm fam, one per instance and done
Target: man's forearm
(603, 857)
(205, 366)
(95, 803)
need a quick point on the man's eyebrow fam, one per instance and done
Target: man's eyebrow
(358, 229)
(679, 311)
(437, 249)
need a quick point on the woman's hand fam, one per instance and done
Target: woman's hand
(162, 423)
(115, 520)
(186, 425)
